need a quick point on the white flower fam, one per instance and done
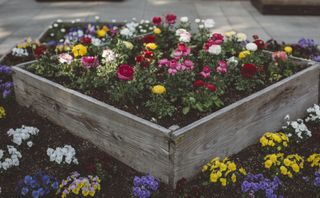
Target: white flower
(63, 30)
(59, 21)
(241, 37)
(197, 20)
(252, 47)
(62, 155)
(209, 23)
(201, 26)
(30, 144)
(21, 134)
(215, 49)
(184, 35)
(52, 34)
(65, 58)
(126, 32)
(230, 34)
(97, 18)
(184, 19)
(109, 55)
(96, 41)
(19, 52)
(233, 59)
(55, 25)
(313, 114)
(12, 161)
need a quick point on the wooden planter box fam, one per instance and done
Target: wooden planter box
(150, 148)
(288, 7)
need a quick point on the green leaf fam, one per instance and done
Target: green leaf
(185, 110)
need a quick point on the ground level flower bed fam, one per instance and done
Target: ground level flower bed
(197, 92)
(117, 179)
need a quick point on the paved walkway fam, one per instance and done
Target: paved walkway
(22, 18)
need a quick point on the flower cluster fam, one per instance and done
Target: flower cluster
(314, 160)
(65, 154)
(222, 171)
(11, 161)
(76, 185)
(286, 165)
(144, 186)
(313, 114)
(22, 134)
(2, 112)
(277, 140)
(5, 82)
(296, 130)
(317, 178)
(38, 185)
(254, 184)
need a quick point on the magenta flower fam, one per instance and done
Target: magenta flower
(222, 67)
(171, 19)
(163, 62)
(189, 64)
(90, 61)
(206, 72)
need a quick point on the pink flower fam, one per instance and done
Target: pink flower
(171, 19)
(125, 72)
(90, 61)
(156, 20)
(222, 67)
(65, 58)
(172, 71)
(189, 64)
(216, 39)
(279, 55)
(206, 72)
(163, 62)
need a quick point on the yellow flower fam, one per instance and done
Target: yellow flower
(295, 168)
(79, 50)
(273, 158)
(244, 54)
(158, 89)
(2, 112)
(268, 164)
(91, 193)
(263, 141)
(290, 174)
(157, 31)
(232, 166)
(234, 178)
(76, 191)
(151, 46)
(314, 159)
(223, 181)
(285, 144)
(204, 168)
(271, 143)
(85, 193)
(276, 137)
(105, 28)
(223, 167)
(288, 50)
(242, 171)
(128, 45)
(214, 177)
(101, 33)
(287, 162)
(283, 170)
(230, 34)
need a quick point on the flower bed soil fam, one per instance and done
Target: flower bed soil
(119, 177)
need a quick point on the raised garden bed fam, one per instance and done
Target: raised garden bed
(288, 7)
(169, 155)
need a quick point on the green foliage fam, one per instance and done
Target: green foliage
(160, 106)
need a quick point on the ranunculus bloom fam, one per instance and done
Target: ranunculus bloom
(149, 39)
(90, 61)
(198, 83)
(222, 67)
(211, 87)
(39, 51)
(206, 72)
(139, 58)
(158, 89)
(163, 62)
(156, 20)
(125, 72)
(260, 43)
(279, 55)
(86, 40)
(65, 58)
(189, 64)
(171, 19)
(148, 54)
(248, 70)
(79, 50)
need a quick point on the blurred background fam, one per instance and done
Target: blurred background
(24, 18)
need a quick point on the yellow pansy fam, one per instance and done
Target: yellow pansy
(151, 46)
(214, 177)
(244, 54)
(263, 141)
(204, 168)
(85, 193)
(288, 50)
(158, 89)
(233, 178)
(295, 168)
(79, 50)
(268, 164)
(157, 31)
(232, 166)
(223, 167)
(287, 162)
(223, 181)
(273, 158)
(2, 112)
(101, 33)
(283, 170)
(242, 171)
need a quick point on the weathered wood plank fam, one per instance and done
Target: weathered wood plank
(132, 140)
(239, 125)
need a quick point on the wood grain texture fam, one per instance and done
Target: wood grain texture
(132, 140)
(241, 124)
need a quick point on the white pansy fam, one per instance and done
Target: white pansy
(21, 134)
(20, 52)
(184, 19)
(96, 41)
(251, 47)
(11, 161)
(30, 144)
(64, 154)
(126, 32)
(313, 114)
(209, 23)
(296, 129)
(215, 49)
(109, 55)
(241, 37)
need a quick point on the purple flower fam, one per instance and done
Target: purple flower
(144, 186)
(306, 42)
(5, 70)
(316, 58)
(24, 191)
(35, 194)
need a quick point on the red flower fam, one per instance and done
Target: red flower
(125, 72)
(149, 39)
(139, 58)
(248, 70)
(85, 40)
(260, 43)
(198, 83)
(39, 51)
(171, 19)
(148, 54)
(211, 87)
(157, 20)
